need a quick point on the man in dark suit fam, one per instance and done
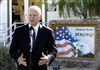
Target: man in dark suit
(42, 52)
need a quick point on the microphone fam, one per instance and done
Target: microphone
(31, 40)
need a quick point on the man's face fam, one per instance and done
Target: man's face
(33, 17)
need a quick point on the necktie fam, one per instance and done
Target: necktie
(33, 38)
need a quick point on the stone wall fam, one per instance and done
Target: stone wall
(79, 64)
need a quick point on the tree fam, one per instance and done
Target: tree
(81, 8)
(6, 63)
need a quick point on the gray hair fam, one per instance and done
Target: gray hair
(35, 8)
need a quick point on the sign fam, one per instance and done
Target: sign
(75, 41)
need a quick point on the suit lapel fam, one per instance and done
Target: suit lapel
(39, 36)
(27, 33)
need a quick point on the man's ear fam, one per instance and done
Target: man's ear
(41, 17)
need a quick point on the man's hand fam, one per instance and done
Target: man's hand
(43, 60)
(21, 60)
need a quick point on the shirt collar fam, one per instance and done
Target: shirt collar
(35, 27)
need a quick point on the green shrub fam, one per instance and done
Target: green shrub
(6, 63)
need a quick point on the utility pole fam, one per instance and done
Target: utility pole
(25, 11)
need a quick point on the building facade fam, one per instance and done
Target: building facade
(13, 13)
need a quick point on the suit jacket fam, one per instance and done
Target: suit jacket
(21, 44)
